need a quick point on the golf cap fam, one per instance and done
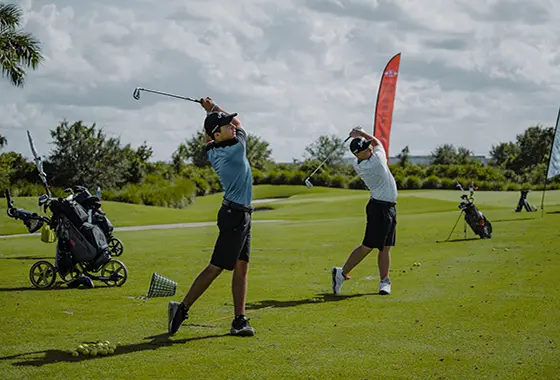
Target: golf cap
(359, 144)
(215, 120)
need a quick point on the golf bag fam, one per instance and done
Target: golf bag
(523, 203)
(79, 242)
(96, 216)
(473, 216)
(92, 205)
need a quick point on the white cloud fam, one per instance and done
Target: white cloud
(473, 73)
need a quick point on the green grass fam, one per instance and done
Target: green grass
(475, 309)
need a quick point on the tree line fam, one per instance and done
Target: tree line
(85, 155)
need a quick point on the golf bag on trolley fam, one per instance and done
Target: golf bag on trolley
(96, 216)
(81, 247)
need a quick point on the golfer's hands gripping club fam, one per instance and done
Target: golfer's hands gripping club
(207, 103)
(357, 131)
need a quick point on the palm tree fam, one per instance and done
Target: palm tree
(3, 141)
(18, 50)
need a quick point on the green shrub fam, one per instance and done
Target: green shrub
(258, 177)
(322, 179)
(496, 186)
(357, 183)
(202, 186)
(414, 182)
(448, 184)
(339, 181)
(432, 182)
(397, 170)
(414, 171)
(280, 177)
(400, 180)
(177, 193)
(298, 178)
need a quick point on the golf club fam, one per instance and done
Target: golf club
(136, 94)
(307, 180)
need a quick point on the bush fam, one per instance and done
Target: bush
(413, 182)
(432, 182)
(298, 178)
(322, 179)
(339, 181)
(26, 189)
(397, 170)
(448, 183)
(414, 171)
(177, 193)
(494, 186)
(258, 177)
(400, 180)
(280, 177)
(202, 186)
(357, 183)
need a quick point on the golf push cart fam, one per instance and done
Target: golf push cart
(82, 248)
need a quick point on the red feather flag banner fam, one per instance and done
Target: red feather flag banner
(383, 116)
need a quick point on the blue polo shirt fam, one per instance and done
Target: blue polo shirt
(229, 160)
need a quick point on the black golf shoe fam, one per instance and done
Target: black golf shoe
(241, 327)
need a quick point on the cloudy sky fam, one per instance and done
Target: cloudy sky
(473, 72)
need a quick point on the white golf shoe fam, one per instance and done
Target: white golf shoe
(385, 286)
(337, 279)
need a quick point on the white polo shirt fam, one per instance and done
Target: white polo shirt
(376, 175)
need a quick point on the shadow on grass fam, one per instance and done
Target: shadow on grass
(59, 356)
(457, 240)
(56, 286)
(27, 258)
(512, 220)
(320, 298)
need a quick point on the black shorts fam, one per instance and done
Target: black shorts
(381, 224)
(234, 240)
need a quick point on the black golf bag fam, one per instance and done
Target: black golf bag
(92, 206)
(79, 242)
(523, 203)
(475, 219)
(96, 216)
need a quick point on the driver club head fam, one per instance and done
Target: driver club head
(308, 183)
(136, 93)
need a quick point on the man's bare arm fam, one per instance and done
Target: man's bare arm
(360, 132)
(210, 106)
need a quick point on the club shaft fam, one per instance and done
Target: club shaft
(326, 159)
(169, 94)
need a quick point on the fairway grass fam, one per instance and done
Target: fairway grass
(474, 309)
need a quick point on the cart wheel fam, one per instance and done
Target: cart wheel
(116, 246)
(42, 274)
(70, 275)
(117, 271)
